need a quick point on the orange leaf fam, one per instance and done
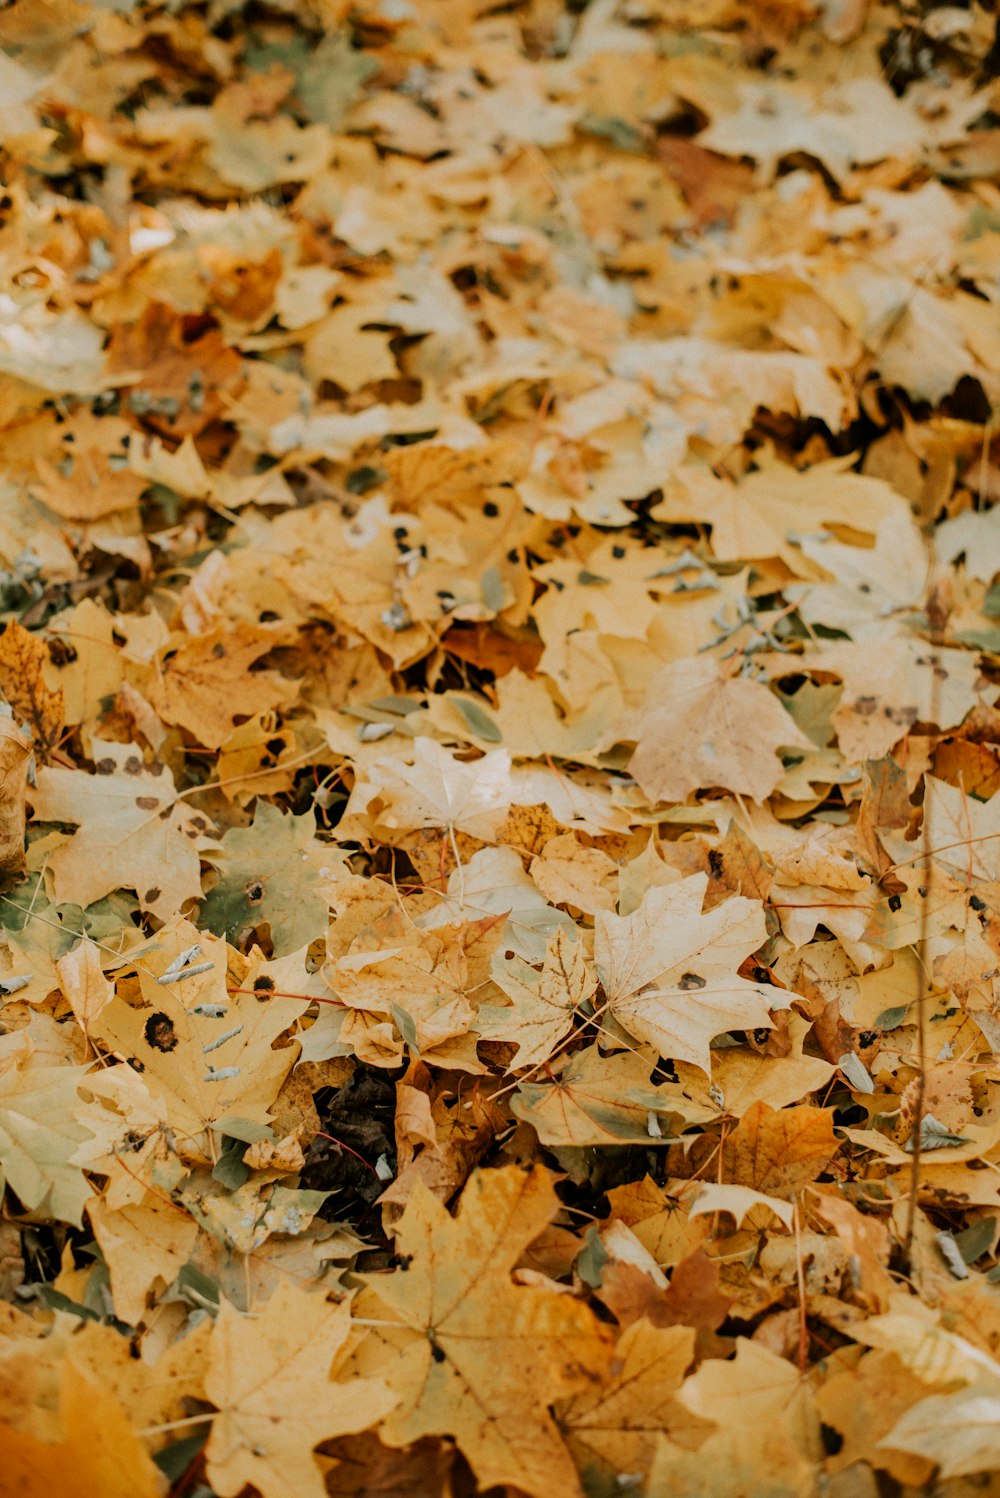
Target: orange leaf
(779, 1152)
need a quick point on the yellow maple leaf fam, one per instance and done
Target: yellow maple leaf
(615, 1426)
(206, 683)
(475, 1356)
(272, 1377)
(98, 1452)
(205, 1051)
(132, 831)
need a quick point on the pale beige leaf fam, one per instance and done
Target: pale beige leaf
(670, 971)
(82, 980)
(738, 1201)
(700, 729)
(543, 1004)
(437, 790)
(960, 1432)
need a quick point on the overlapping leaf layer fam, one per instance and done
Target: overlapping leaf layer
(498, 564)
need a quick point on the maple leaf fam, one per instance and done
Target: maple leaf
(83, 661)
(132, 831)
(273, 1380)
(206, 1052)
(860, 120)
(152, 1390)
(268, 875)
(889, 690)
(615, 1427)
(477, 1357)
(544, 1003)
(40, 1132)
(87, 482)
(422, 982)
(765, 514)
(862, 1404)
(778, 1152)
(82, 980)
(703, 728)
(15, 758)
(22, 657)
(97, 1452)
(738, 1201)
(183, 379)
(206, 683)
(141, 1244)
(593, 1099)
(437, 790)
(669, 969)
(756, 1400)
(741, 1076)
(957, 1432)
(569, 874)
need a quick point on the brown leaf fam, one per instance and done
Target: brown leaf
(185, 367)
(693, 1297)
(15, 757)
(712, 184)
(22, 658)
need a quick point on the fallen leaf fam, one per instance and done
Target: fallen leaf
(273, 1410)
(204, 1050)
(779, 1152)
(22, 656)
(40, 1133)
(141, 1245)
(132, 831)
(82, 980)
(471, 1344)
(957, 1432)
(700, 727)
(15, 757)
(738, 1201)
(206, 683)
(593, 1099)
(614, 1428)
(268, 875)
(669, 970)
(543, 1004)
(97, 1453)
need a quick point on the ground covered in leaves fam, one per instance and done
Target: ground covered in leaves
(499, 531)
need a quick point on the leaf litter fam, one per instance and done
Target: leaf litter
(500, 765)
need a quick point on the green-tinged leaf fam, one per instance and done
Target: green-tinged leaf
(492, 590)
(594, 1099)
(269, 877)
(974, 1240)
(175, 1459)
(480, 722)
